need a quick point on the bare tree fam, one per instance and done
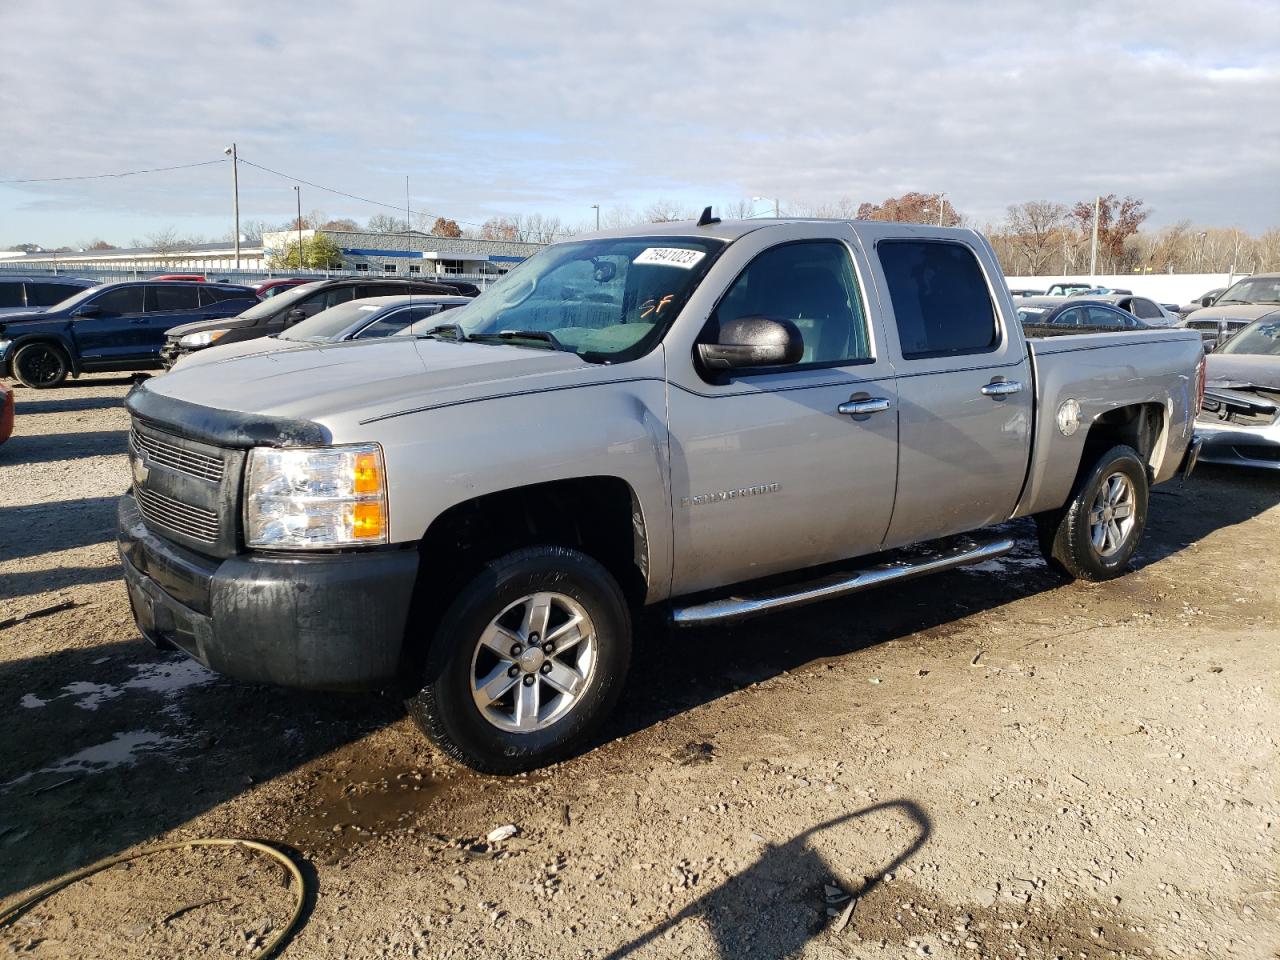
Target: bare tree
(1034, 227)
(665, 211)
(386, 223)
(164, 240)
(912, 208)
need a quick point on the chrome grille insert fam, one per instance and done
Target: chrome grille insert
(194, 522)
(198, 465)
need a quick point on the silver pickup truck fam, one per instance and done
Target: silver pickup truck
(722, 418)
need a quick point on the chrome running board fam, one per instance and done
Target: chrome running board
(834, 585)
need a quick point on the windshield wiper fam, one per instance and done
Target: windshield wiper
(541, 335)
(1219, 302)
(456, 329)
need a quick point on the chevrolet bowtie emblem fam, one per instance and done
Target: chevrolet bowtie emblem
(140, 469)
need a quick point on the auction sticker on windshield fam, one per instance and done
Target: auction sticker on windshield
(671, 257)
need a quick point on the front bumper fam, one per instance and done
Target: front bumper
(331, 622)
(1241, 446)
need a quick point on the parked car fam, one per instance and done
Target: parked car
(1204, 300)
(1067, 288)
(1240, 420)
(657, 416)
(115, 326)
(271, 288)
(366, 319)
(1077, 315)
(31, 294)
(187, 277)
(273, 316)
(1144, 308)
(1237, 306)
(6, 412)
(1025, 292)
(1101, 291)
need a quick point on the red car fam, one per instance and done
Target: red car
(193, 277)
(269, 288)
(6, 411)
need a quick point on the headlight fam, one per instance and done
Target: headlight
(201, 339)
(4, 345)
(326, 497)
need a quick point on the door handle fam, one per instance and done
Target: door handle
(1001, 388)
(858, 408)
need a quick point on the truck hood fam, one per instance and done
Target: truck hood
(365, 379)
(1234, 311)
(1242, 370)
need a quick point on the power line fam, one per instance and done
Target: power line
(126, 173)
(342, 193)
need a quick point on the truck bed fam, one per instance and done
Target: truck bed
(1152, 368)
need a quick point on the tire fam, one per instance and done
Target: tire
(1080, 540)
(41, 366)
(504, 736)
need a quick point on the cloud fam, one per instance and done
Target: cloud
(496, 107)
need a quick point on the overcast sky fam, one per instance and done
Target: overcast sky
(499, 108)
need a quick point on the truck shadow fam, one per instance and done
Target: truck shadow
(23, 449)
(776, 906)
(114, 744)
(676, 670)
(30, 531)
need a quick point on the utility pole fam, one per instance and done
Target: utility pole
(941, 206)
(1093, 247)
(596, 208)
(235, 196)
(297, 192)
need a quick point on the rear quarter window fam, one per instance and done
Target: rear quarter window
(941, 302)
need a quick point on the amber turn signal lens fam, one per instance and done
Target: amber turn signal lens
(367, 521)
(368, 477)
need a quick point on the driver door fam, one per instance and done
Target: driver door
(767, 473)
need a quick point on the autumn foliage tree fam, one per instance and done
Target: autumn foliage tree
(911, 207)
(445, 228)
(1117, 221)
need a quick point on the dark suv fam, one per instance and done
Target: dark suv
(25, 294)
(115, 326)
(281, 312)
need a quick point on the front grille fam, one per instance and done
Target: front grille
(198, 465)
(172, 515)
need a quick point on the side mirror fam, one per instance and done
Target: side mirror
(296, 315)
(88, 310)
(1207, 301)
(753, 342)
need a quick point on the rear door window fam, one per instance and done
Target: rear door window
(941, 301)
(1108, 317)
(1145, 309)
(120, 301)
(47, 294)
(165, 299)
(11, 294)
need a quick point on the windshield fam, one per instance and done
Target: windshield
(1259, 337)
(77, 298)
(607, 300)
(268, 308)
(327, 324)
(1252, 290)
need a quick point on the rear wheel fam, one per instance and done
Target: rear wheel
(527, 662)
(41, 365)
(1095, 536)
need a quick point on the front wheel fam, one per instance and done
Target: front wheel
(1095, 536)
(526, 663)
(41, 365)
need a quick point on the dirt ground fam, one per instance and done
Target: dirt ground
(988, 763)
